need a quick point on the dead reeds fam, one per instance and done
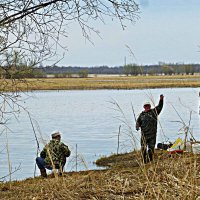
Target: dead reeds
(108, 82)
(176, 177)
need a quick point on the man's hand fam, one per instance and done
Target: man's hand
(161, 97)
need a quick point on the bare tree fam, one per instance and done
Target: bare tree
(30, 30)
(35, 26)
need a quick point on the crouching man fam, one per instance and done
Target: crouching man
(53, 156)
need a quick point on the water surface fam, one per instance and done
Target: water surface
(90, 119)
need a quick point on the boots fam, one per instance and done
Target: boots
(150, 154)
(43, 173)
(144, 156)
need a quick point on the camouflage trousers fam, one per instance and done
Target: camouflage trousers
(147, 147)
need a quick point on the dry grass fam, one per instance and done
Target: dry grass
(108, 82)
(171, 178)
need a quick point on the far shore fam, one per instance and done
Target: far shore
(101, 82)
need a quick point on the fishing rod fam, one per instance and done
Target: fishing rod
(133, 112)
(37, 142)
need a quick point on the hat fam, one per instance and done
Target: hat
(147, 103)
(55, 134)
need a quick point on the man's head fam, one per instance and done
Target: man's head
(56, 135)
(147, 106)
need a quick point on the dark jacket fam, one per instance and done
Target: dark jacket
(148, 120)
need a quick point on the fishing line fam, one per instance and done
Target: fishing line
(36, 139)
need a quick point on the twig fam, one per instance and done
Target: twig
(118, 140)
(18, 168)
(76, 158)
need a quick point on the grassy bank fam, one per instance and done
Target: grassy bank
(126, 177)
(109, 82)
(176, 177)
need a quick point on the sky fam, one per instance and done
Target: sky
(167, 31)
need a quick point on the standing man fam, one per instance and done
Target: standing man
(147, 121)
(53, 156)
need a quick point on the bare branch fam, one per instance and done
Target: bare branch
(37, 26)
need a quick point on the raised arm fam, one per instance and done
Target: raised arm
(159, 107)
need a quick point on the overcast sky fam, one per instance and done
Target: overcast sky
(167, 31)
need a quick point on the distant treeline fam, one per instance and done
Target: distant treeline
(77, 70)
(21, 70)
(16, 66)
(129, 69)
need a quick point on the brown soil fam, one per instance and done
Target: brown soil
(168, 177)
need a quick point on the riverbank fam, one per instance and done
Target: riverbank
(108, 82)
(176, 177)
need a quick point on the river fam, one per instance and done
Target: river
(89, 121)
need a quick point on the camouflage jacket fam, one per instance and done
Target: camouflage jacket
(148, 120)
(56, 152)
